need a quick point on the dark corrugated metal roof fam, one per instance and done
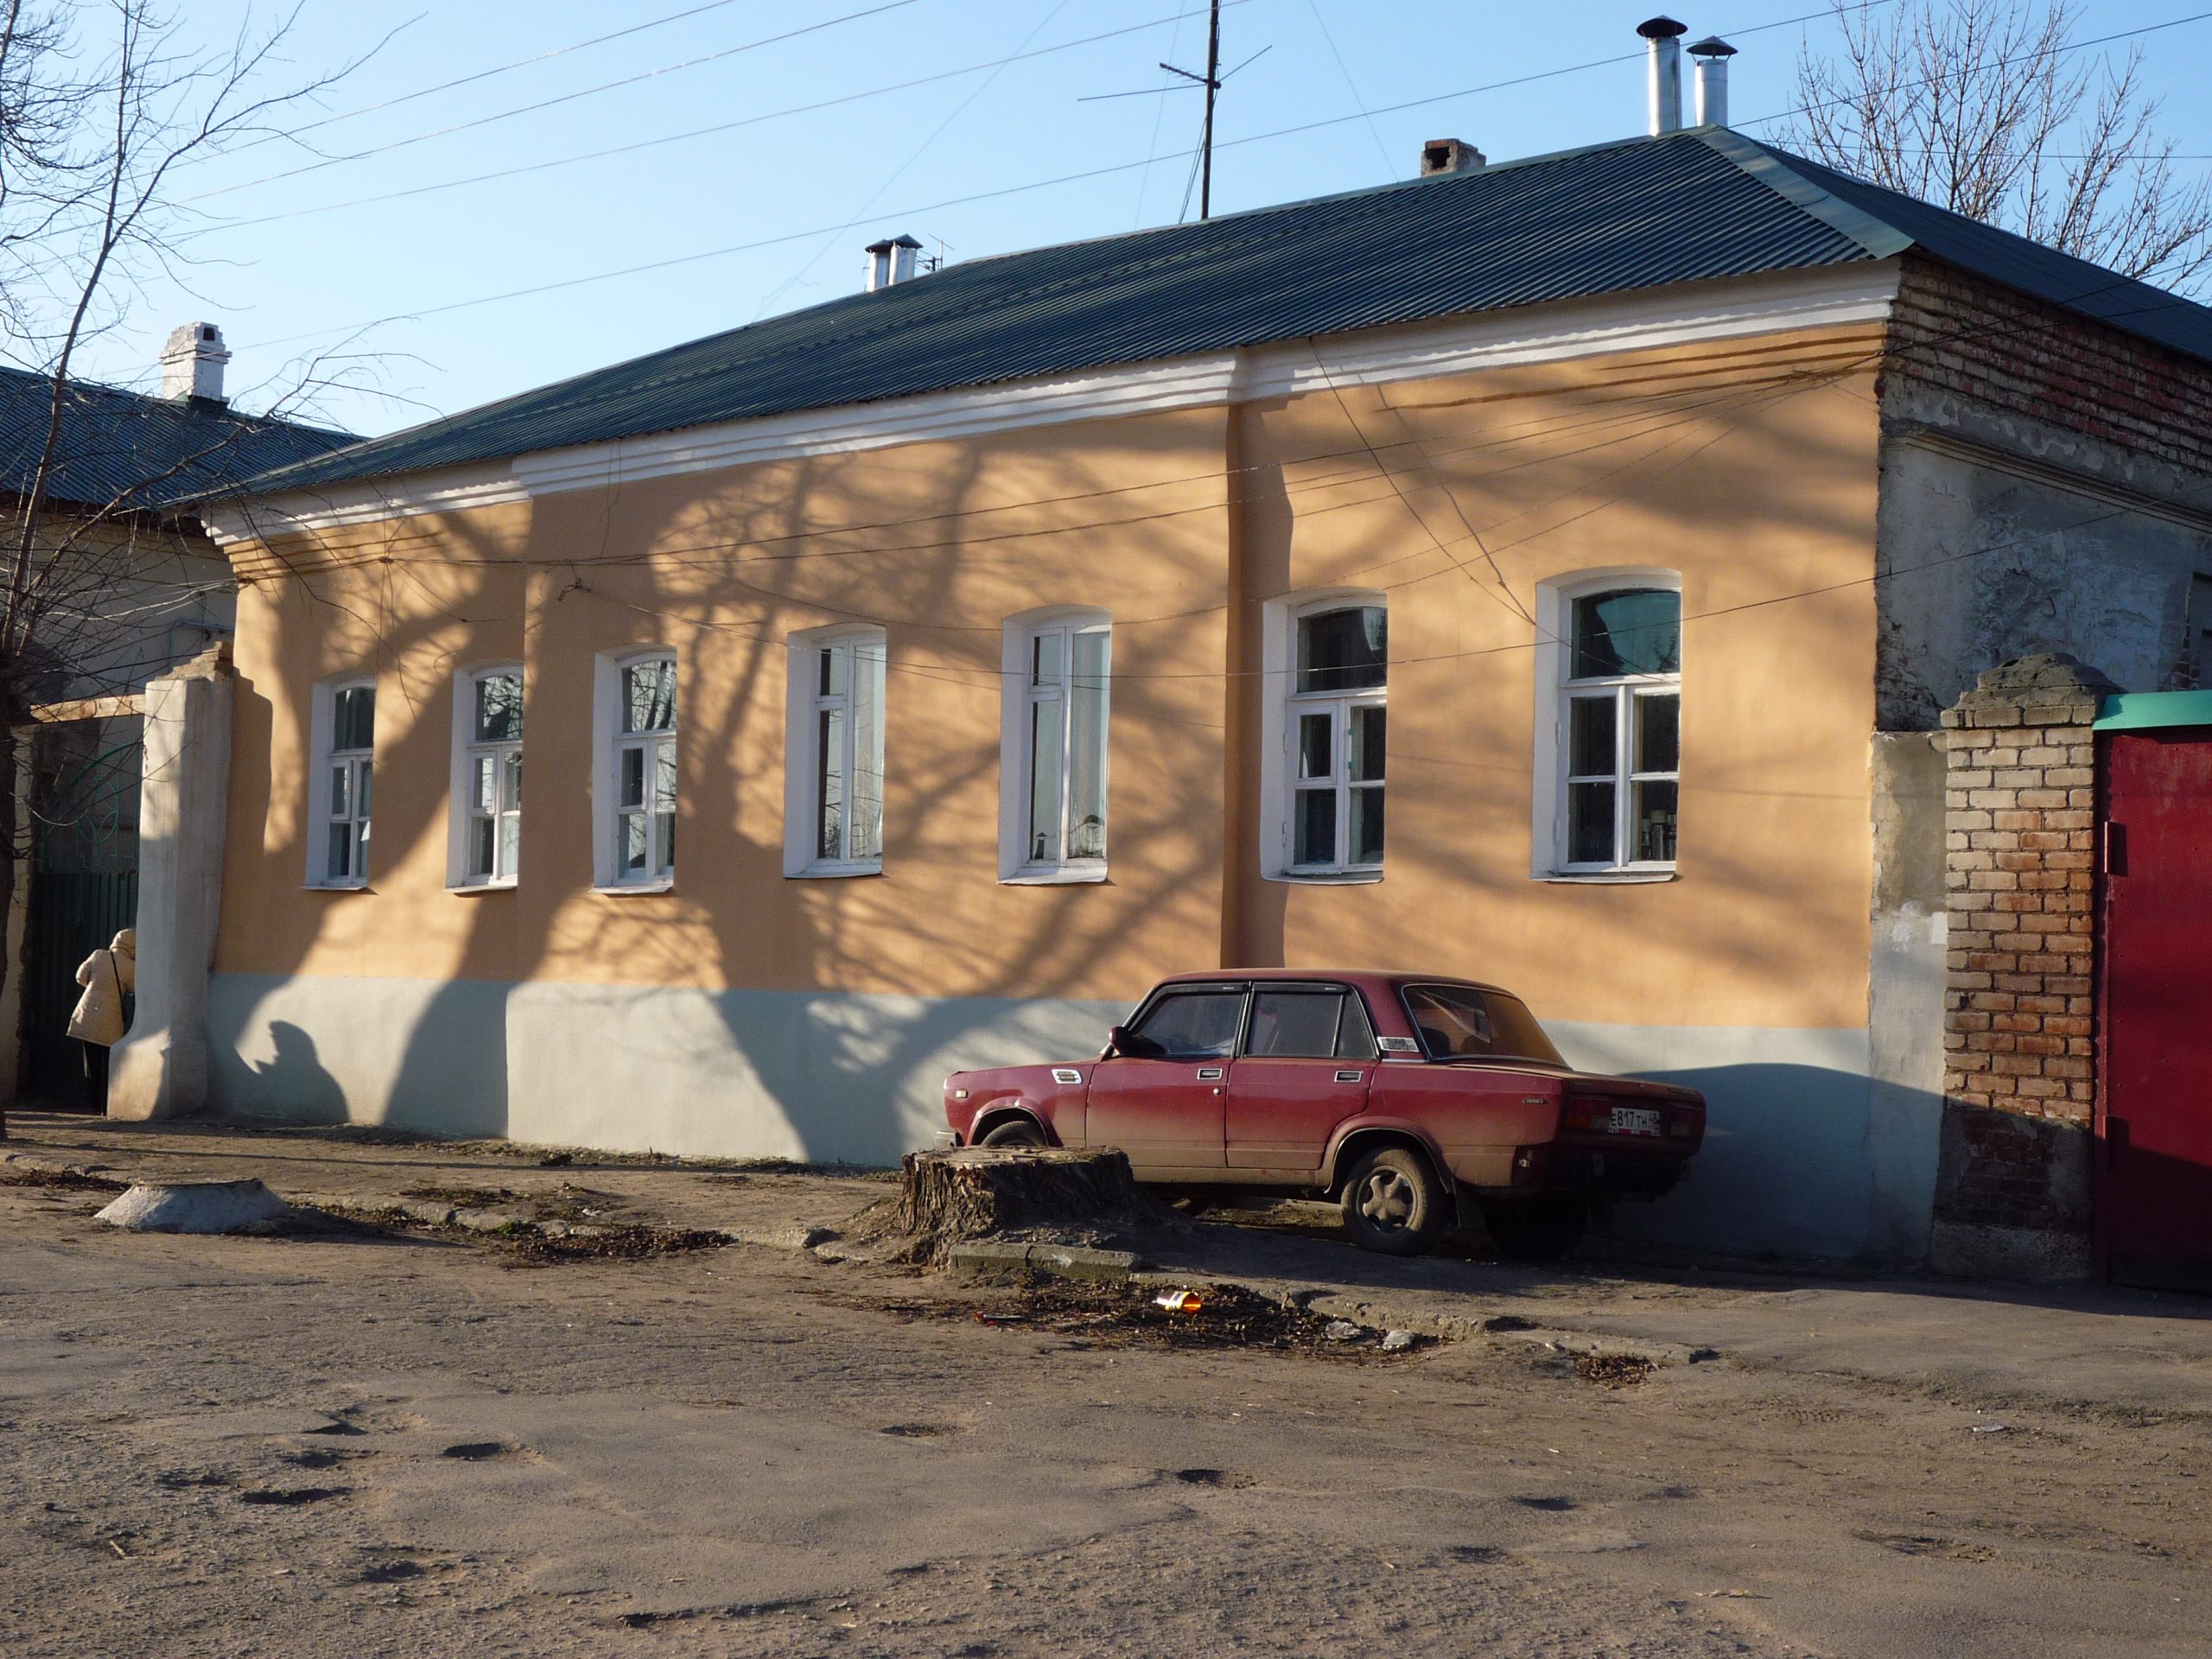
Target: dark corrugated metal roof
(1641, 213)
(124, 449)
(2136, 307)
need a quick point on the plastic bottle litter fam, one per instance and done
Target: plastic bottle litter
(1178, 1301)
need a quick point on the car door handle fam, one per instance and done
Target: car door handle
(1211, 1073)
(1351, 1077)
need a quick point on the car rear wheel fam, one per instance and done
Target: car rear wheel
(1015, 1131)
(1536, 1230)
(1393, 1202)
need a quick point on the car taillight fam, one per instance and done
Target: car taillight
(1587, 1115)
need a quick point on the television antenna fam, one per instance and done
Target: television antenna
(1212, 80)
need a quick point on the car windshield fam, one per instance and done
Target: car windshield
(1459, 1023)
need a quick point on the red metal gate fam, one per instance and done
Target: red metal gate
(2154, 1188)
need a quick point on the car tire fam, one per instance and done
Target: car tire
(1015, 1131)
(1392, 1203)
(1536, 1230)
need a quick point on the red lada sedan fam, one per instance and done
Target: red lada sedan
(1410, 1098)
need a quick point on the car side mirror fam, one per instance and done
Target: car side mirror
(1117, 1042)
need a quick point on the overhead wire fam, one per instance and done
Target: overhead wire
(481, 75)
(1827, 378)
(812, 107)
(553, 102)
(999, 194)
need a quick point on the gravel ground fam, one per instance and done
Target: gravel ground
(360, 1444)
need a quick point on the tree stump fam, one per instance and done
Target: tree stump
(979, 1191)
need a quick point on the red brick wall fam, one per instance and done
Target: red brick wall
(1963, 335)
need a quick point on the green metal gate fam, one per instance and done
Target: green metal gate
(84, 888)
(72, 914)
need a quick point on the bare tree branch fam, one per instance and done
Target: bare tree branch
(1976, 105)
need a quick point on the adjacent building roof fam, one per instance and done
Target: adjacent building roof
(1644, 213)
(125, 450)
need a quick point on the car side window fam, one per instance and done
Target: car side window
(1320, 1023)
(1189, 1025)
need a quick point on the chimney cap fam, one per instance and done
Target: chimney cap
(1712, 47)
(1661, 29)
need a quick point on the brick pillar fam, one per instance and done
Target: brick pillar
(2012, 1189)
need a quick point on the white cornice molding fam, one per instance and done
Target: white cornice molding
(1680, 315)
(1091, 395)
(454, 489)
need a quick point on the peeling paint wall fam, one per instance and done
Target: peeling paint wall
(2041, 492)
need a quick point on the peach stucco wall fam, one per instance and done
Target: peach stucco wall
(1749, 468)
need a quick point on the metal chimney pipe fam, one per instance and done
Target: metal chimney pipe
(1664, 34)
(1713, 54)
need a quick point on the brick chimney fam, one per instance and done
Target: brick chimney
(192, 364)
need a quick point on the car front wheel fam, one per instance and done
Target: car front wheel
(1536, 1230)
(1393, 1202)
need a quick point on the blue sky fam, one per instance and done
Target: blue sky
(293, 263)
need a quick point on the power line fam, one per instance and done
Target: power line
(1574, 424)
(985, 195)
(485, 74)
(699, 132)
(550, 103)
(1830, 378)
(918, 151)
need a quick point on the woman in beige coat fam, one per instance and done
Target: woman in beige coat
(107, 976)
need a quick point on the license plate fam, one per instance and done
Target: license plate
(1634, 1120)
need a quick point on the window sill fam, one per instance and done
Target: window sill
(626, 889)
(335, 887)
(470, 889)
(1054, 878)
(832, 872)
(1327, 878)
(1607, 878)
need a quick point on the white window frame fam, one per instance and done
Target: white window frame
(1018, 702)
(461, 840)
(806, 703)
(1556, 693)
(1281, 705)
(610, 743)
(325, 760)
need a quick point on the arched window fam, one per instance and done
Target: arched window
(636, 834)
(1059, 671)
(1328, 719)
(487, 776)
(1613, 670)
(341, 783)
(833, 785)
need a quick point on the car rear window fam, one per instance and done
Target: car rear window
(1459, 1023)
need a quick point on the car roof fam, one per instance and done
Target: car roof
(1369, 976)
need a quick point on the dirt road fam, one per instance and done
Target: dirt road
(356, 1445)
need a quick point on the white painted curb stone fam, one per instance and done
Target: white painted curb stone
(196, 1207)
